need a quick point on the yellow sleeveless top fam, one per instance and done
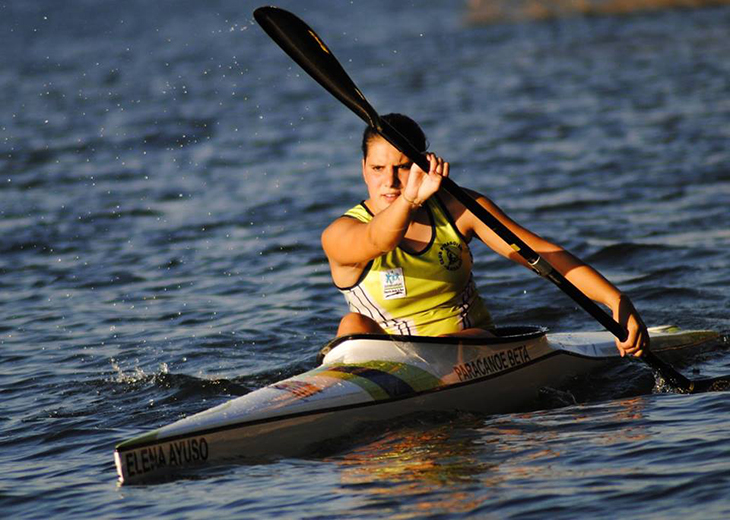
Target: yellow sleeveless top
(427, 293)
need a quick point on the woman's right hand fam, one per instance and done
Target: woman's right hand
(421, 185)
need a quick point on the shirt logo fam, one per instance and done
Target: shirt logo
(394, 284)
(450, 256)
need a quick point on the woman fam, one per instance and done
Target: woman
(402, 260)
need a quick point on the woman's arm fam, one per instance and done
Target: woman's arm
(583, 276)
(349, 242)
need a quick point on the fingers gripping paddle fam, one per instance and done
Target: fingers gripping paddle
(306, 48)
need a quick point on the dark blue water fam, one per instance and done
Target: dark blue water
(165, 173)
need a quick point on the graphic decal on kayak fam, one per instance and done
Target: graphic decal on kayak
(383, 379)
(301, 389)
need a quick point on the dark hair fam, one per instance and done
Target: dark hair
(407, 127)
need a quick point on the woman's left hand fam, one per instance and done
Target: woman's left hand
(638, 340)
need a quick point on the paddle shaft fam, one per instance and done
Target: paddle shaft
(306, 48)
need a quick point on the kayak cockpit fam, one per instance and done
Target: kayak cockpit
(502, 335)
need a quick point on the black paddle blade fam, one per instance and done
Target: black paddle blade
(676, 380)
(308, 50)
(681, 384)
(716, 384)
(303, 45)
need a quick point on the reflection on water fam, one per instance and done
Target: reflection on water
(458, 467)
(432, 469)
(521, 440)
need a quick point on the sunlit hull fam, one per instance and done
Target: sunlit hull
(366, 379)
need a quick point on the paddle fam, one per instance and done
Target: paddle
(306, 48)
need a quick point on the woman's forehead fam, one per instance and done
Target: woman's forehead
(381, 150)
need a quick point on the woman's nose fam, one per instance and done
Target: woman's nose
(393, 177)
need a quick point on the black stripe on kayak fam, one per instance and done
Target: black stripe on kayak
(391, 385)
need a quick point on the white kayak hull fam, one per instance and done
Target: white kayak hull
(365, 379)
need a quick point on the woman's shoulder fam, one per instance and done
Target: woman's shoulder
(455, 207)
(356, 215)
(360, 212)
(457, 212)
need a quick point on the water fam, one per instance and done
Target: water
(165, 173)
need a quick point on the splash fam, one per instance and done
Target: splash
(137, 375)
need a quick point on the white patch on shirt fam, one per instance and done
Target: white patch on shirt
(394, 284)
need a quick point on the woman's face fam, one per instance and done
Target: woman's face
(385, 170)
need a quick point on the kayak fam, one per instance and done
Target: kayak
(368, 378)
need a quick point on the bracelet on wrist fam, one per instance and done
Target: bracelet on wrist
(411, 202)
